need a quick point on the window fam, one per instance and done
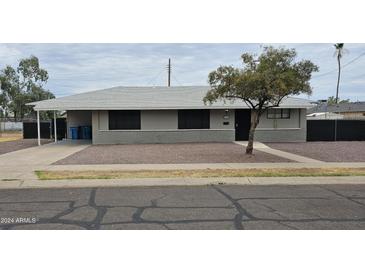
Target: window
(276, 113)
(124, 119)
(193, 119)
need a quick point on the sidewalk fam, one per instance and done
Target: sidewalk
(283, 154)
(21, 184)
(17, 170)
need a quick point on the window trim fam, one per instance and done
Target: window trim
(281, 113)
(124, 129)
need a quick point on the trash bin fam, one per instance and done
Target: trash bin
(74, 133)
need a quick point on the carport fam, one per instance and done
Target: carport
(75, 119)
(39, 127)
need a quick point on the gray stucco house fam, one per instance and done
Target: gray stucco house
(125, 115)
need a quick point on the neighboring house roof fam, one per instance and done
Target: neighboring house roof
(341, 108)
(324, 115)
(144, 98)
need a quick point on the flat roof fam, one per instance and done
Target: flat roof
(149, 98)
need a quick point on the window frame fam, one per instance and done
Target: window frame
(113, 125)
(184, 114)
(276, 113)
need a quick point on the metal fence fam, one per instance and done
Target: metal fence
(335, 130)
(30, 130)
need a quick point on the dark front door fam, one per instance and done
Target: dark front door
(242, 124)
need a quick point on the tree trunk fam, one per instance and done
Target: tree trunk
(254, 122)
(338, 78)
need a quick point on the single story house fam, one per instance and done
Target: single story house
(126, 115)
(324, 116)
(355, 110)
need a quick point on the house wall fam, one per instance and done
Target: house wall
(353, 115)
(161, 126)
(158, 120)
(283, 130)
(76, 118)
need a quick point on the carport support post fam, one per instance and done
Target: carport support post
(38, 129)
(55, 126)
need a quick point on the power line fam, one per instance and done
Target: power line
(355, 59)
(155, 78)
(176, 80)
(345, 65)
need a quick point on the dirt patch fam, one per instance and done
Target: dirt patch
(326, 151)
(167, 154)
(10, 136)
(10, 146)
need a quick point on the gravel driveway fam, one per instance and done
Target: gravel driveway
(326, 151)
(167, 154)
(10, 146)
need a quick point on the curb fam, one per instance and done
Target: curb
(159, 182)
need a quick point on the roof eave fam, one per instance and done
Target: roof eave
(159, 108)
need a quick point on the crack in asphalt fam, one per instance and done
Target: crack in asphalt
(342, 196)
(287, 225)
(100, 210)
(241, 211)
(271, 209)
(241, 217)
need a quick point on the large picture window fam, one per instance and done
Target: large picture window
(193, 119)
(124, 119)
(278, 113)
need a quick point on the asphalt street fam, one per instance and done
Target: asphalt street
(186, 207)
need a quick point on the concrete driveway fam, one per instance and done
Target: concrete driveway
(21, 164)
(10, 146)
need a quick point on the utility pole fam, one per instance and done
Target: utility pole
(169, 73)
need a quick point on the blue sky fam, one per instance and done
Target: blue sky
(75, 68)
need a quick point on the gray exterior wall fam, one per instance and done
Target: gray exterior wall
(283, 130)
(77, 118)
(161, 126)
(158, 120)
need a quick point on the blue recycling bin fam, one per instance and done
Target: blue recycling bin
(74, 131)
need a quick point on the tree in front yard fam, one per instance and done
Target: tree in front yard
(262, 83)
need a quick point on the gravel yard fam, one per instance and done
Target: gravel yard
(167, 154)
(10, 146)
(326, 151)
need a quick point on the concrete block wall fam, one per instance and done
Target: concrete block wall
(161, 126)
(283, 130)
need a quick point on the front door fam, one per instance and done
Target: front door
(242, 124)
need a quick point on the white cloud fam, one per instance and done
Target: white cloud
(82, 67)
